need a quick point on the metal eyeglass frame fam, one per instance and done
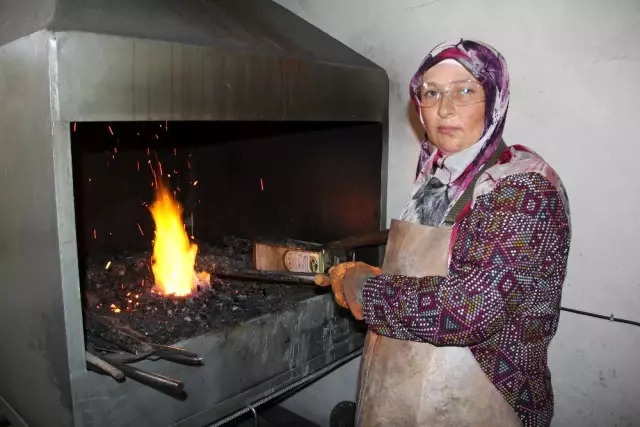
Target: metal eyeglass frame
(448, 93)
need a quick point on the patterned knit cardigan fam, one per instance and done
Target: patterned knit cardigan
(501, 297)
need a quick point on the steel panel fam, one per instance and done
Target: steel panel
(34, 364)
(111, 78)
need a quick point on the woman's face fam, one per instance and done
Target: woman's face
(452, 127)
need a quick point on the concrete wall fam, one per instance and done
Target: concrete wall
(575, 69)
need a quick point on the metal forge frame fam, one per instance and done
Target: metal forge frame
(60, 74)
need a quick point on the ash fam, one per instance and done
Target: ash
(122, 287)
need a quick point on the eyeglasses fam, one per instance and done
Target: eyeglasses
(459, 92)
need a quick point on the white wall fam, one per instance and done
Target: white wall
(575, 71)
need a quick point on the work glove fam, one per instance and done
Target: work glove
(347, 281)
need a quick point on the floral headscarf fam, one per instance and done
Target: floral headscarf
(489, 67)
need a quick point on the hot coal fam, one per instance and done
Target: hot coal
(122, 287)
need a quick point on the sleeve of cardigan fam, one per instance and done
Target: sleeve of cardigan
(502, 248)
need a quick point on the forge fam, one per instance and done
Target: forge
(262, 129)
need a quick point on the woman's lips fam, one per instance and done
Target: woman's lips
(448, 129)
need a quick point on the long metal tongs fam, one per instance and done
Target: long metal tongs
(103, 364)
(136, 344)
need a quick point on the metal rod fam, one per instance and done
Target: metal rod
(610, 318)
(104, 366)
(373, 238)
(159, 382)
(266, 276)
(256, 422)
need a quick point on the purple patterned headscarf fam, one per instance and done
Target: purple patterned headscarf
(489, 67)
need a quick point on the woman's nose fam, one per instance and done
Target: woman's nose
(446, 107)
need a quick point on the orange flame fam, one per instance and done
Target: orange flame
(174, 255)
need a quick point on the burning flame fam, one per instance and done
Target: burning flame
(174, 255)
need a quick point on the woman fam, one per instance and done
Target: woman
(463, 338)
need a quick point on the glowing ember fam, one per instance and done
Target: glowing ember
(174, 255)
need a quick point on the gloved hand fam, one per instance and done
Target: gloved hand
(347, 281)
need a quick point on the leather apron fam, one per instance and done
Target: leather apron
(406, 383)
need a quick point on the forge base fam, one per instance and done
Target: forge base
(242, 364)
(255, 339)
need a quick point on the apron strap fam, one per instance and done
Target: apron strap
(466, 196)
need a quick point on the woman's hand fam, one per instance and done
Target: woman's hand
(347, 280)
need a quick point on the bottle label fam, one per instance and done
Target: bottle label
(302, 261)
